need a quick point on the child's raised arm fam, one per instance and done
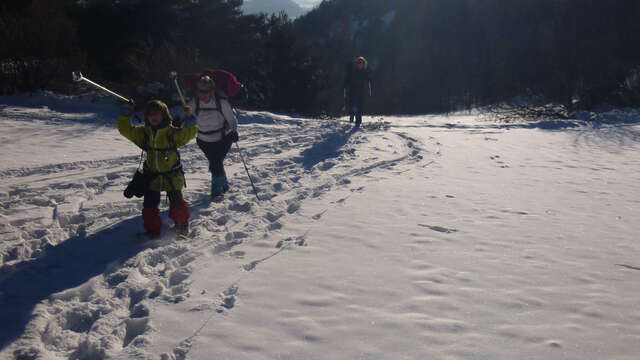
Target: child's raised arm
(189, 131)
(133, 133)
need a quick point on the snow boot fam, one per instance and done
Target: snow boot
(219, 185)
(152, 222)
(180, 216)
(182, 229)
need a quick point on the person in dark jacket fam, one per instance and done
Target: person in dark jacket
(357, 84)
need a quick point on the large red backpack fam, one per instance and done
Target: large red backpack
(225, 81)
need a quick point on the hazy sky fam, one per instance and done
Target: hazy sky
(307, 3)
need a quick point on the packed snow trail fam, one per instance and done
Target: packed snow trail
(421, 237)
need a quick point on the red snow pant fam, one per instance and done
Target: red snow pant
(178, 211)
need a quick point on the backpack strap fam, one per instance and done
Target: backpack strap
(178, 166)
(219, 105)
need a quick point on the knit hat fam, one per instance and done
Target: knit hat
(157, 105)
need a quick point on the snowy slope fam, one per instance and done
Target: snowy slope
(417, 238)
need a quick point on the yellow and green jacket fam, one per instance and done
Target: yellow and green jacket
(161, 146)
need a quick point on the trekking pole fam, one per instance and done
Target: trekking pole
(174, 76)
(77, 77)
(247, 170)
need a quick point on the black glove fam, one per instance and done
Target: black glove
(127, 109)
(232, 136)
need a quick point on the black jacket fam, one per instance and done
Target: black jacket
(356, 84)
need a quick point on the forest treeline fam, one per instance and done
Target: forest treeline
(126, 43)
(424, 55)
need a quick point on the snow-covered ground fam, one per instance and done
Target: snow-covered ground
(425, 237)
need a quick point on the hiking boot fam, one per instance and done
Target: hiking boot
(219, 186)
(217, 191)
(152, 222)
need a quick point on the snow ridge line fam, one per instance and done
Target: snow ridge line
(63, 167)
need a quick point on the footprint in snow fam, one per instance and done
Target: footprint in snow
(327, 165)
(201, 307)
(240, 207)
(439, 229)
(272, 217)
(134, 328)
(318, 215)
(293, 207)
(235, 235)
(228, 299)
(238, 254)
(499, 162)
(222, 220)
(278, 187)
(275, 226)
(298, 240)
(340, 201)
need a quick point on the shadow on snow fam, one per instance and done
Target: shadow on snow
(327, 148)
(64, 266)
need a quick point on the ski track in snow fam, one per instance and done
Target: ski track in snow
(75, 283)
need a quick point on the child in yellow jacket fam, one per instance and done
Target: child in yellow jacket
(163, 169)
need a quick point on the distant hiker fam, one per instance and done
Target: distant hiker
(162, 168)
(218, 130)
(357, 83)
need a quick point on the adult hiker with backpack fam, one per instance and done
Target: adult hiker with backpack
(218, 129)
(357, 84)
(162, 168)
